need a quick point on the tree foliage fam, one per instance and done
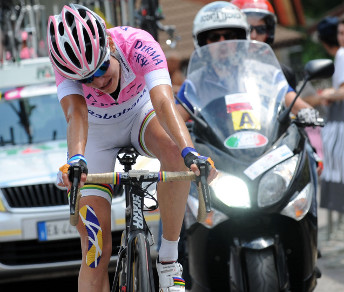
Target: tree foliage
(317, 8)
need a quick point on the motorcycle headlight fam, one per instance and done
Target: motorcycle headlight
(276, 181)
(231, 190)
(213, 218)
(299, 206)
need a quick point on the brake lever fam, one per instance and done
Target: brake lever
(202, 179)
(74, 175)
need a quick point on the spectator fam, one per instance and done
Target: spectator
(332, 183)
(26, 52)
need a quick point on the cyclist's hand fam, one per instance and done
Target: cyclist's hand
(63, 179)
(193, 160)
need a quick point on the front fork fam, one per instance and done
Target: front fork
(237, 264)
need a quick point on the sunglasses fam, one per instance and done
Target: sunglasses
(260, 29)
(100, 72)
(228, 35)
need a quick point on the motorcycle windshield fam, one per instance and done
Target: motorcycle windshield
(238, 88)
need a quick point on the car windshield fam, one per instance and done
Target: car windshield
(34, 119)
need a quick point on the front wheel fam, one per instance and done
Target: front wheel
(140, 265)
(261, 271)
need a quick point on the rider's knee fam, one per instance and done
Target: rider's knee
(98, 247)
(171, 157)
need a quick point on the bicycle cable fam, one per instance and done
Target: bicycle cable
(143, 191)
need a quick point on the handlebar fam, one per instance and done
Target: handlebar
(122, 178)
(319, 123)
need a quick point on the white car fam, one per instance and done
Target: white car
(36, 238)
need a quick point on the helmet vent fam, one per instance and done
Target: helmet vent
(71, 55)
(102, 37)
(90, 25)
(82, 13)
(75, 36)
(61, 29)
(58, 64)
(88, 46)
(52, 30)
(56, 50)
(69, 19)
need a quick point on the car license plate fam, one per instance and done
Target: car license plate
(54, 230)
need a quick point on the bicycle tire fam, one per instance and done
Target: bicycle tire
(120, 275)
(140, 265)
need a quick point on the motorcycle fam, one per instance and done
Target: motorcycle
(261, 232)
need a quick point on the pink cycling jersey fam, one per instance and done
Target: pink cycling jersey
(139, 55)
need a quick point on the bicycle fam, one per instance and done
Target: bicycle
(134, 268)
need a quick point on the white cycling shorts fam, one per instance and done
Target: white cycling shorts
(105, 140)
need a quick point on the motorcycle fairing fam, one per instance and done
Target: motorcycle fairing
(237, 86)
(245, 140)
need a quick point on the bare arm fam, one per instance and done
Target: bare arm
(299, 104)
(75, 110)
(169, 117)
(334, 95)
(173, 123)
(313, 100)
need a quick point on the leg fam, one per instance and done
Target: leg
(172, 199)
(172, 196)
(95, 233)
(95, 212)
(151, 139)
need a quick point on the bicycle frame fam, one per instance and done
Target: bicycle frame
(135, 221)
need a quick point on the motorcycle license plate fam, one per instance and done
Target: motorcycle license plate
(54, 230)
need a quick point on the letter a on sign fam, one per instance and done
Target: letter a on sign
(245, 120)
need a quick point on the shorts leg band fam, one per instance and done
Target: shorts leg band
(100, 190)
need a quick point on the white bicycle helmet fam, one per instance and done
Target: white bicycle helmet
(77, 42)
(219, 15)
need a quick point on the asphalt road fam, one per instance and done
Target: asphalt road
(331, 265)
(331, 246)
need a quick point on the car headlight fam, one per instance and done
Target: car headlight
(2, 206)
(276, 181)
(231, 190)
(299, 206)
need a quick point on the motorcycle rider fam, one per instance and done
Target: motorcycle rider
(211, 25)
(262, 20)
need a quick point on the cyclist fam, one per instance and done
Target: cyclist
(208, 29)
(115, 91)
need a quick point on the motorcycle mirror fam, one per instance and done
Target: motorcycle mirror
(315, 69)
(319, 69)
